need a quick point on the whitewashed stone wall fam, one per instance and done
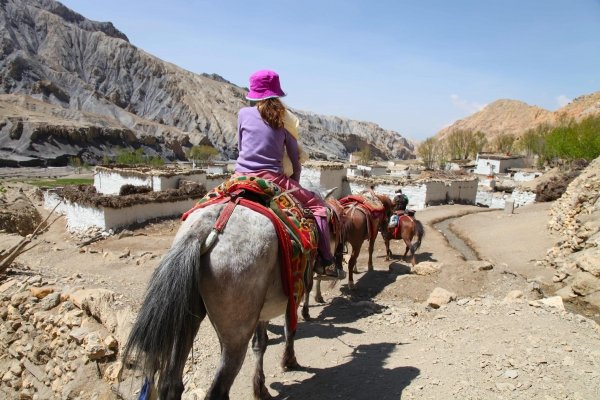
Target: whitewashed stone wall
(499, 199)
(119, 217)
(487, 167)
(111, 182)
(498, 166)
(51, 200)
(315, 178)
(463, 192)
(441, 192)
(416, 193)
(492, 199)
(523, 197)
(366, 170)
(82, 217)
(526, 176)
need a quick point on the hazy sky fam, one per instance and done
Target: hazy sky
(411, 66)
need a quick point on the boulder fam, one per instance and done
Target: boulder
(554, 302)
(41, 292)
(480, 265)
(427, 268)
(513, 296)
(439, 297)
(585, 283)
(589, 260)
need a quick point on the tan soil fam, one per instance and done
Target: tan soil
(380, 341)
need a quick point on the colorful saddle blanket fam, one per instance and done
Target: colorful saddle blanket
(296, 230)
(367, 199)
(368, 202)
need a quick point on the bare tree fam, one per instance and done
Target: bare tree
(503, 143)
(429, 151)
(461, 143)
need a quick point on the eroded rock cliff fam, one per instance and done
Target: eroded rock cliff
(57, 56)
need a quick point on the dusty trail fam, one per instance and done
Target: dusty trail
(381, 340)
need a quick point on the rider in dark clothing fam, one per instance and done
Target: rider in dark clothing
(400, 201)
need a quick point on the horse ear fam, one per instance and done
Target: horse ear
(329, 192)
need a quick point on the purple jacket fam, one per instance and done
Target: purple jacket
(261, 147)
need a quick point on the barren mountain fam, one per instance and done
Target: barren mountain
(502, 117)
(581, 107)
(515, 117)
(59, 57)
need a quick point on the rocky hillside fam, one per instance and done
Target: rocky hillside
(515, 117)
(502, 117)
(576, 257)
(90, 70)
(581, 106)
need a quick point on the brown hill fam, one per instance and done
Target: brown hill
(581, 107)
(515, 117)
(502, 117)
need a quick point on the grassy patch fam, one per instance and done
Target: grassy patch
(60, 182)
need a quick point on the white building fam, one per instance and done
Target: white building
(323, 175)
(366, 170)
(110, 179)
(422, 193)
(490, 164)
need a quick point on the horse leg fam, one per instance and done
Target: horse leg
(388, 253)
(318, 294)
(289, 362)
(233, 351)
(170, 385)
(307, 290)
(259, 345)
(412, 253)
(371, 247)
(234, 318)
(352, 265)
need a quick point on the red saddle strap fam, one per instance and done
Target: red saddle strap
(284, 247)
(225, 214)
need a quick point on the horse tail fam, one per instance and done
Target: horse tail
(420, 235)
(171, 307)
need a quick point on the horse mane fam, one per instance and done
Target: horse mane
(388, 205)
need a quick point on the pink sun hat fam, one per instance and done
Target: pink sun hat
(264, 84)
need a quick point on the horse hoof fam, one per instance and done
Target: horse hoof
(291, 365)
(319, 300)
(305, 316)
(264, 395)
(351, 286)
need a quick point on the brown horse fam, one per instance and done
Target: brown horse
(407, 228)
(359, 225)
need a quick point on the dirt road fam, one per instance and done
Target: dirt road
(381, 341)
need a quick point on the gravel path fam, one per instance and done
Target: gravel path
(382, 340)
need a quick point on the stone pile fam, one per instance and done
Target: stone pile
(59, 340)
(576, 256)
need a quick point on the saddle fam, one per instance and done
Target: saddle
(296, 228)
(395, 230)
(369, 204)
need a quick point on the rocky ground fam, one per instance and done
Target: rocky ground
(488, 329)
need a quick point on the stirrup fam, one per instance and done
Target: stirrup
(329, 272)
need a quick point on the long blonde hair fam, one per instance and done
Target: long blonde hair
(272, 112)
